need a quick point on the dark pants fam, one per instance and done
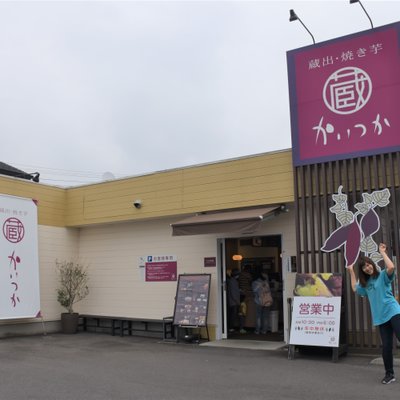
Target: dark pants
(233, 317)
(386, 330)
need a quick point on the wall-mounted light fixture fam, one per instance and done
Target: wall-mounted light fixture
(35, 176)
(358, 1)
(237, 257)
(283, 208)
(294, 17)
(137, 203)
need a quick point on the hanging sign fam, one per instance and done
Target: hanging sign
(19, 266)
(344, 96)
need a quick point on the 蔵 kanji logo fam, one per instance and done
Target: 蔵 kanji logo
(13, 230)
(347, 90)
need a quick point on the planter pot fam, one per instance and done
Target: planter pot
(69, 322)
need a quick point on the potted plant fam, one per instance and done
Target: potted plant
(73, 280)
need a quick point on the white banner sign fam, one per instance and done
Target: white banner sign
(315, 321)
(19, 266)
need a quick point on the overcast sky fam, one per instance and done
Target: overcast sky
(132, 87)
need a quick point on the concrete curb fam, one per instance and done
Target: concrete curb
(379, 361)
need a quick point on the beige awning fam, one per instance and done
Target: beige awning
(240, 221)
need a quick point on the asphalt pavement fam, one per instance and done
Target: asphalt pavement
(94, 366)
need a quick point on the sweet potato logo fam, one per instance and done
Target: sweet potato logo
(356, 230)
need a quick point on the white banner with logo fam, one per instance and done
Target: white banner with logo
(315, 321)
(19, 265)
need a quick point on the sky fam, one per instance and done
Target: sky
(91, 90)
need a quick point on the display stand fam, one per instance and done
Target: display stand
(190, 333)
(169, 331)
(341, 346)
(291, 347)
(336, 351)
(191, 306)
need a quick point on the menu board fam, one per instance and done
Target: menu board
(191, 301)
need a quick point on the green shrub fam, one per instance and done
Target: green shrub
(73, 279)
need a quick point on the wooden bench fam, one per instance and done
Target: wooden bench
(128, 325)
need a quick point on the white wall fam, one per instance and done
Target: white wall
(284, 225)
(116, 286)
(54, 243)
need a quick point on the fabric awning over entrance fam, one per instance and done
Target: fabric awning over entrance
(240, 221)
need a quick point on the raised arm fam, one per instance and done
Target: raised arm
(388, 262)
(353, 279)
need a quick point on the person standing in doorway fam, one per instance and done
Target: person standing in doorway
(263, 300)
(385, 310)
(246, 293)
(233, 294)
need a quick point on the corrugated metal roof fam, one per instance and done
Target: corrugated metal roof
(6, 169)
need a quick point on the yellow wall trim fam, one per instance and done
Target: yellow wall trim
(51, 200)
(262, 179)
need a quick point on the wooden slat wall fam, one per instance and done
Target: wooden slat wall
(313, 189)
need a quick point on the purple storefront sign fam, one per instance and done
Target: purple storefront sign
(161, 271)
(344, 96)
(210, 261)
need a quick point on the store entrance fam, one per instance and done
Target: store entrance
(252, 265)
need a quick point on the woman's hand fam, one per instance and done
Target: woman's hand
(350, 267)
(388, 262)
(353, 279)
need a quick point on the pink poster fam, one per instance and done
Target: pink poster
(161, 271)
(344, 96)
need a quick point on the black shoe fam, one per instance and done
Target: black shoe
(389, 378)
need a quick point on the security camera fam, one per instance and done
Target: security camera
(137, 203)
